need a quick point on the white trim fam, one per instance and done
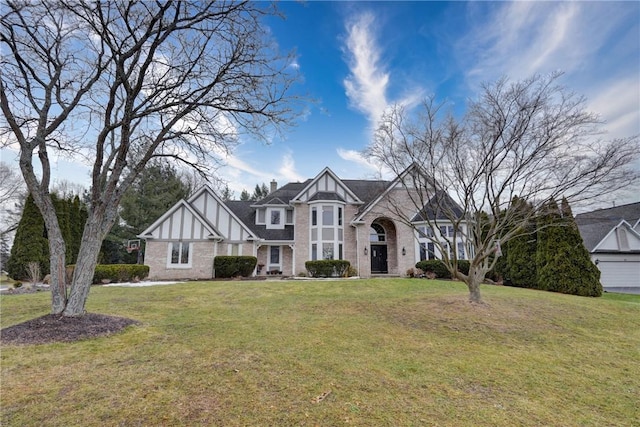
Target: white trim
(170, 265)
(147, 234)
(613, 230)
(272, 266)
(328, 171)
(224, 206)
(268, 217)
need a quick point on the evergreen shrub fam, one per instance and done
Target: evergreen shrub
(327, 268)
(115, 273)
(438, 268)
(227, 266)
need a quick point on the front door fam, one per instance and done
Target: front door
(379, 259)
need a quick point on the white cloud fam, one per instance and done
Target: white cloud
(367, 83)
(288, 169)
(357, 157)
(618, 103)
(369, 80)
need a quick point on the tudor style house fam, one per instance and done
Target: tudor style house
(322, 218)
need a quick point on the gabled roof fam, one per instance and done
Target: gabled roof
(595, 226)
(398, 181)
(206, 189)
(283, 194)
(440, 207)
(182, 204)
(325, 175)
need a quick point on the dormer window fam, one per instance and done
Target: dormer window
(275, 218)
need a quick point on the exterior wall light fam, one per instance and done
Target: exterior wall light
(404, 251)
(366, 252)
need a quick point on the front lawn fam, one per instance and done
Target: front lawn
(401, 352)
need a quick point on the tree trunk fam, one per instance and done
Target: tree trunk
(84, 270)
(58, 271)
(473, 281)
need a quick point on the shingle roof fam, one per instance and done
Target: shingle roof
(366, 190)
(284, 194)
(326, 195)
(244, 211)
(595, 225)
(440, 207)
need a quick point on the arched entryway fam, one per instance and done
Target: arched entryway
(382, 241)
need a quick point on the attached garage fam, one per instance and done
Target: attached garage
(617, 273)
(612, 236)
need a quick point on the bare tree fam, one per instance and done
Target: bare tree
(122, 82)
(12, 195)
(532, 139)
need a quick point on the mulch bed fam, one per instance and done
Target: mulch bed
(55, 328)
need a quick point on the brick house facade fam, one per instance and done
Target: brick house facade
(362, 221)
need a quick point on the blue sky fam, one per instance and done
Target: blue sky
(358, 58)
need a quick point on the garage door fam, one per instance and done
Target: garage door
(620, 274)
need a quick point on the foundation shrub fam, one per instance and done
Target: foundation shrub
(115, 273)
(327, 268)
(227, 266)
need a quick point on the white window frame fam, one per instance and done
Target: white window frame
(268, 218)
(270, 264)
(189, 262)
(231, 247)
(336, 224)
(261, 212)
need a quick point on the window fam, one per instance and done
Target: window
(446, 230)
(275, 217)
(327, 215)
(260, 219)
(376, 233)
(327, 251)
(274, 255)
(461, 254)
(289, 216)
(326, 232)
(427, 251)
(234, 249)
(424, 231)
(179, 255)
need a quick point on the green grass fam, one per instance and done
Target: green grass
(402, 352)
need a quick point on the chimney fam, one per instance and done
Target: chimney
(274, 186)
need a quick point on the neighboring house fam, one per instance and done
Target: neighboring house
(612, 236)
(321, 218)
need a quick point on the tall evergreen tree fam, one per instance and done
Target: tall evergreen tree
(260, 192)
(227, 194)
(521, 250)
(29, 244)
(156, 189)
(245, 196)
(549, 243)
(564, 263)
